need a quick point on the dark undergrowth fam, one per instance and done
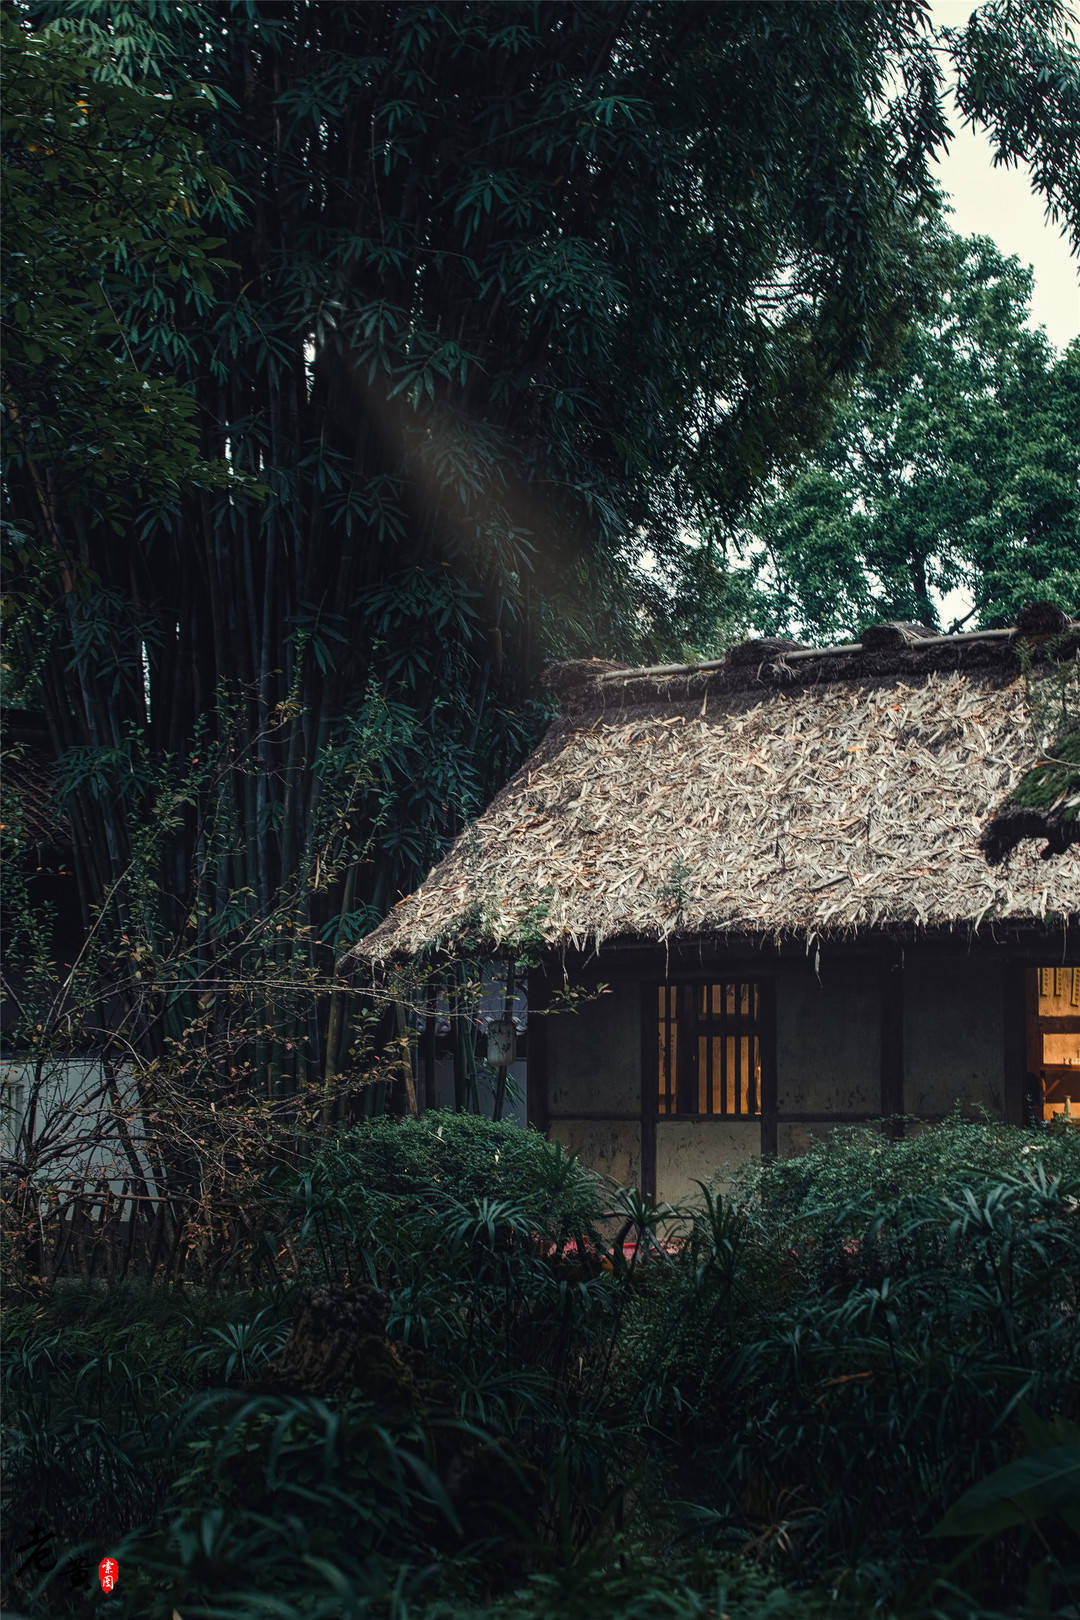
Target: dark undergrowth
(849, 1386)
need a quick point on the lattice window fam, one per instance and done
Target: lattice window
(709, 1050)
(1053, 1042)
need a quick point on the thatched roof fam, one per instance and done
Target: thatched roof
(782, 791)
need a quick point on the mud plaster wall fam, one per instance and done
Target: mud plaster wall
(798, 1137)
(953, 1034)
(611, 1146)
(691, 1150)
(828, 1055)
(828, 1040)
(594, 1067)
(594, 1056)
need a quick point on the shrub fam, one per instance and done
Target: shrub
(846, 1346)
(785, 1404)
(468, 1156)
(859, 1168)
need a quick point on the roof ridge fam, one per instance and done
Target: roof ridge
(800, 653)
(895, 648)
(891, 635)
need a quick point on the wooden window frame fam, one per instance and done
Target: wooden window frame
(651, 1117)
(1064, 1077)
(720, 1017)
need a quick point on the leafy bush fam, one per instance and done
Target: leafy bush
(494, 1372)
(818, 1400)
(93, 1378)
(860, 1167)
(484, 1240)
(469, 1156)
(848, 1345)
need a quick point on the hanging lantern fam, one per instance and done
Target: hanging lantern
(501, 1041)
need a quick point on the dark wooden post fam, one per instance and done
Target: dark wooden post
(1018, 987)
(427, 1097)
(686, 1079)
(767, 1037)
(650, 1085)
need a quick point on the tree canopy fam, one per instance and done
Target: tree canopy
(957, 465)
(105, 193)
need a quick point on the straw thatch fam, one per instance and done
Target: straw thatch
(781, 791)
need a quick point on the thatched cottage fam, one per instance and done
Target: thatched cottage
(772, 862)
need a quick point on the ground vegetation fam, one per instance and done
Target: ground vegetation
(486, 1383)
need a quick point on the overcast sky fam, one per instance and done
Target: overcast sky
(1000, 203)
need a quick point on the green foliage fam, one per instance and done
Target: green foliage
(812, 1402)
(241, 1349)
(462, 1222)
(503, 1340)
(955, 465)
(380, 447)
(1053, 779)
(471, 1157)
(107, 192)
(633, 1586)
(856, 1168)
(198, 1019)
(1018, 1494)
(845, 1355)
(95, 1377)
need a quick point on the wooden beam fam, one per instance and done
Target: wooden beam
(650, 1084)
(592, 1116)
(819, 1118)
(1033, 1045)
(767, 1007)
(686, 1078)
